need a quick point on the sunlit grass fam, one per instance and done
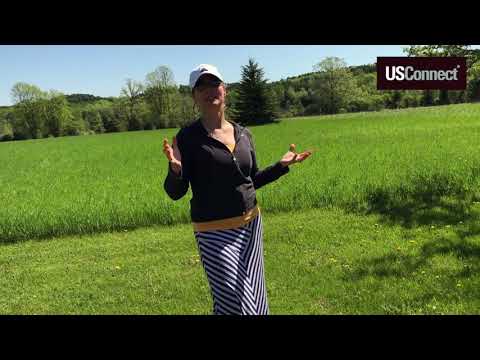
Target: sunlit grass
(321, 261)
(386, 161)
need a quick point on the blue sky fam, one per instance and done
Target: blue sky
(101, 70)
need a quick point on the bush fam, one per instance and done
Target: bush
(110, 122)
(6, 130)
(74, 126)
(313, 109)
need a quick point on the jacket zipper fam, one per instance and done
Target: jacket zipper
(233, 155)
(232, 152)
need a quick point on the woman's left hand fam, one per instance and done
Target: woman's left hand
(292, 157)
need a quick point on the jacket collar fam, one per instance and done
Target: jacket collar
(238, 129)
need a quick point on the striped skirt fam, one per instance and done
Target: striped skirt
(233, 263)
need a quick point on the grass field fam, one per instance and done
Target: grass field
(384, 218)
(389, 161)
(322, 261)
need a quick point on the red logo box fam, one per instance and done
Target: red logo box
(421, 73)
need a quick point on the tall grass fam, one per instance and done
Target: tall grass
(364, 162)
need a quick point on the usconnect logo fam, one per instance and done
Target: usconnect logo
(409, 73)
(421, 73)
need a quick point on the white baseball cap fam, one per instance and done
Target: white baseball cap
(203, 69)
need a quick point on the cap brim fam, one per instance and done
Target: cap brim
(206, 73)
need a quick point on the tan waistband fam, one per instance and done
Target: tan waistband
(229, 223)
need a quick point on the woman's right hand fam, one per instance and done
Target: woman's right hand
(173, 155)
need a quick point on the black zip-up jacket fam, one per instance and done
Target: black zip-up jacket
(223, 183)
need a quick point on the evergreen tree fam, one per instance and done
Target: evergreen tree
(255, 103)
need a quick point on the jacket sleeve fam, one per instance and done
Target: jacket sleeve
(267, 175)
(176, 186)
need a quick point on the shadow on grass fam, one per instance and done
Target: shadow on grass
(434, 201)
(437, 199)
(420, 209)
(56, 233)
(426, 209)
(454, 284)
(401, 265)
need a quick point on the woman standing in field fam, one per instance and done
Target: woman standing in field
(217, 158)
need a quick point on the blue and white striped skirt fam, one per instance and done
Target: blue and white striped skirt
(233, 263)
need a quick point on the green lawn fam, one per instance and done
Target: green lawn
(322, 261)
(365, 161)
(382, 219)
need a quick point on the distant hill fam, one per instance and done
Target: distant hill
(357, 69)
(76, 99)
(85, 98)
(79, 99)
(304, 78)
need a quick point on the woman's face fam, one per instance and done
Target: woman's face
(209, 93)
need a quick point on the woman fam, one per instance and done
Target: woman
(217, 158)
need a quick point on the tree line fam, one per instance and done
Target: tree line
(155, 103)
(158, 102)
(336, 88)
